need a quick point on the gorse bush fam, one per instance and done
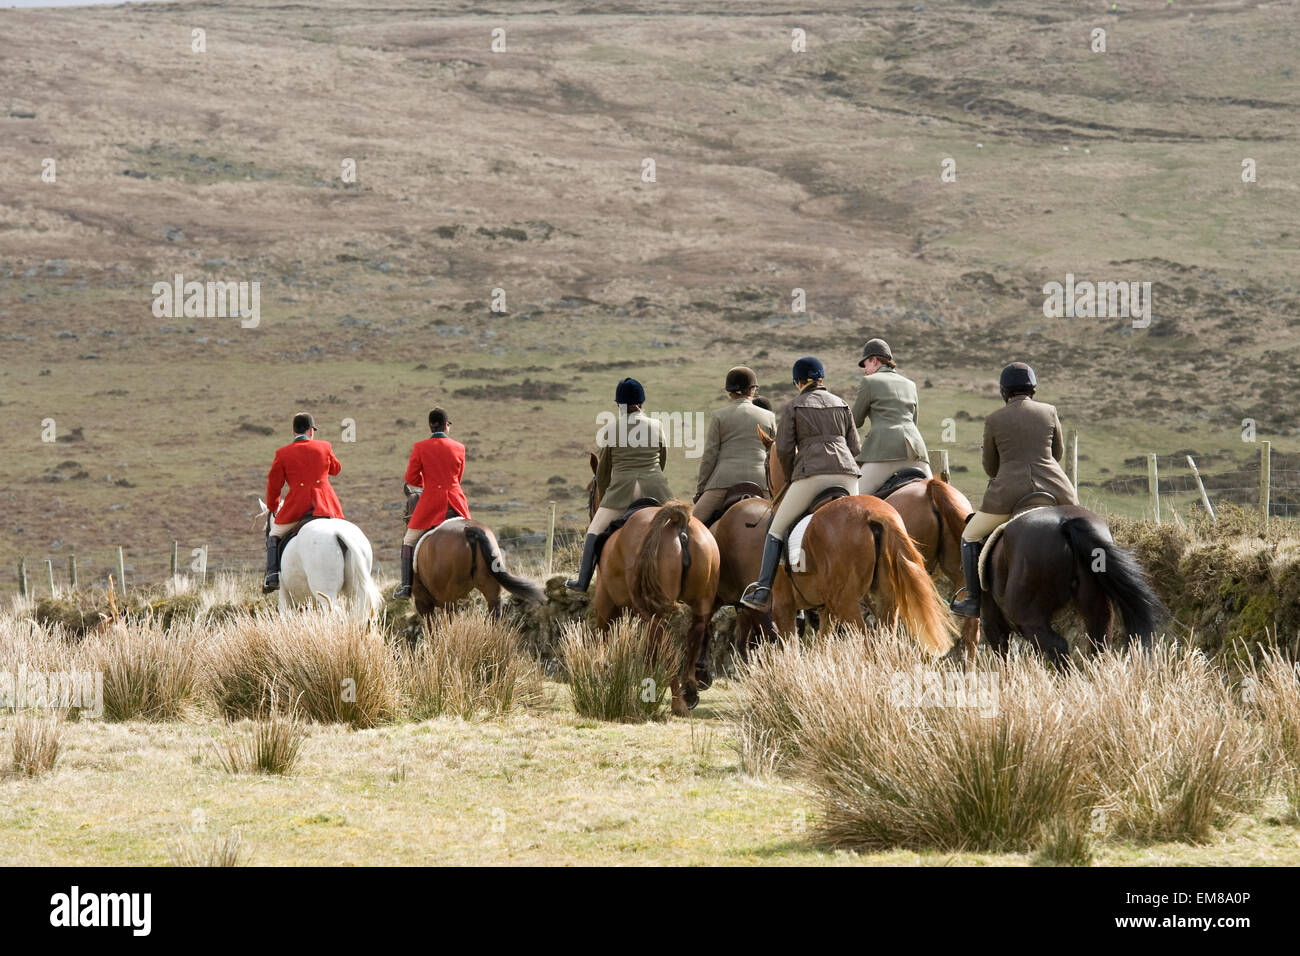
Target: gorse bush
(905, 752)
(468, 665)
(625, 675)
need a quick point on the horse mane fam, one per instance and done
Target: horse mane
(653, 599)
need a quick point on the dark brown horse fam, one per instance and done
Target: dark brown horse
(739, 533)
(934, 513)
(659, 557)
(458, 556)
(1049, 557)
(857, 547)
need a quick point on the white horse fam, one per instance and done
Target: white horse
(329, 559)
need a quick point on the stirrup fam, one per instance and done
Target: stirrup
(757, 597)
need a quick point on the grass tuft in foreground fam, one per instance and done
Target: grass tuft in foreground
(624, 676)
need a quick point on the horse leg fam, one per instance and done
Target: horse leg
(697, 643)
(1051, 645)
(996, 627)
(604, 606)
(783, 609)
(491, 592)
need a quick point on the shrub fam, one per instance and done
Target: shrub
(468, 665)
(273, 747)
(149, 673)
(626, 676)
(37, 744)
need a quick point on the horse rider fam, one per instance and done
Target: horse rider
(815, 444)
(888, 400)
(305, 466)
(629, 466)
(1023, 445)
(733, 452)
(436, 466)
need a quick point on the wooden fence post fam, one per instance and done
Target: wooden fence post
(550, 543)
(121, 570)
(944, 473)
(175, 566)
(72, 570)
(1265, 476)
(22, 576)
(49, 571)
(1074, 460)
(1153, 482)
(1205, 499)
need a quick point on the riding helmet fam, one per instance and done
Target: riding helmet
(629, 392)
(740, 379)
(1018, 375)
(876, 348)
(808, 368)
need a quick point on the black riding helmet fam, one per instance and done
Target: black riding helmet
(740, 379)
(1018, 375)
(629, 392)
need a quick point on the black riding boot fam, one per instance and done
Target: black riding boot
(759, 594)
(408, 559)
(272, 580)
(970, 565)
(588, 566)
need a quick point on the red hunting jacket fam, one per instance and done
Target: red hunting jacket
(437, 465)
(305, 466)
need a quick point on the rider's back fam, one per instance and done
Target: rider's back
(1023, 445)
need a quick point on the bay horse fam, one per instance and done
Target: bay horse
(660, 557)
(741, 554)
(1051, 556)
(328, 560)
(458, 556)
(934, 513)
(857, 547)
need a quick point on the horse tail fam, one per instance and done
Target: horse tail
(917, 600)
(357, 581)
(1121, 578)
(948, 506)
(651, 596)
(486, 542)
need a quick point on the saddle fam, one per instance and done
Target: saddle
(793, 551)
(904, 476)
(292, 533)
(987, 551)
(737, 492)
(621, 520)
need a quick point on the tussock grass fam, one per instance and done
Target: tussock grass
(468, 665)
(1273, 693)
(335, 670)
(150, 672)
(901, 752)
(1167, 753)
(37, 744)
(626, 676)
(273, 746)
(192, 849)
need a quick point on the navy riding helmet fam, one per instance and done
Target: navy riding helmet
(808, 368)
(1018, 375)
(629, 392)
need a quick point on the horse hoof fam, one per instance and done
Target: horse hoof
(703, 678)
(679, 707)
(692, 698)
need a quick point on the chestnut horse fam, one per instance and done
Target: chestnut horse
(854, 547)
(458, 556)
(1052, 556)
(934, 513)
(659, 557)
(740, 548)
